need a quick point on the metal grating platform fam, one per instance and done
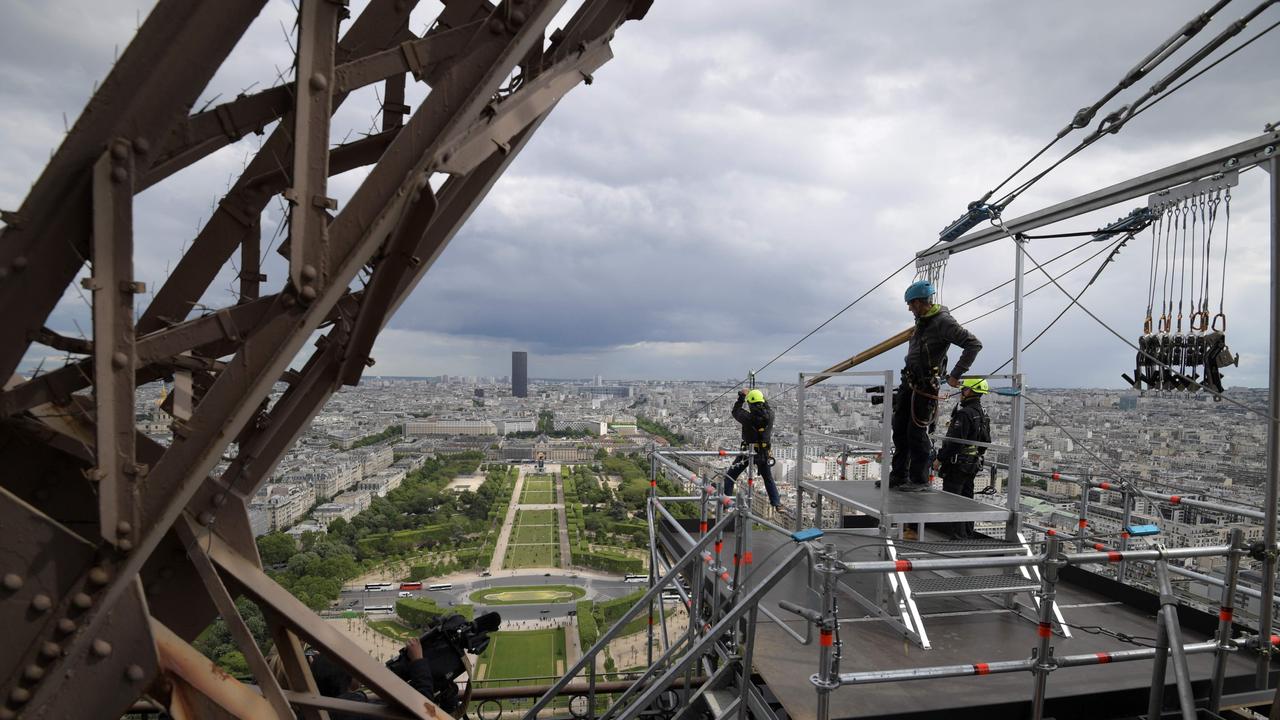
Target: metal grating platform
(901, 507)
(967, 548)
(971, 585)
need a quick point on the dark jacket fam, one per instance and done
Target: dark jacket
(757, 422)
(966, 424)
(927, 350)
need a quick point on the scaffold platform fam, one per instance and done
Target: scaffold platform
(969, 629)
(905, 508)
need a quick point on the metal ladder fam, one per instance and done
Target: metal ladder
(905, 591)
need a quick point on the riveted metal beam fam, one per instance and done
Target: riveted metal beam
(114, 359)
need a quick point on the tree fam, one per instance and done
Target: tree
(276, 548)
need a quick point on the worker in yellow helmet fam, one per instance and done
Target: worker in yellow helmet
(959, 462)
(756, 419)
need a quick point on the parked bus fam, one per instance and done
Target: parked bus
(410, 586)
(440, 586)
(636, 579)
(374, 609)
(373, 587)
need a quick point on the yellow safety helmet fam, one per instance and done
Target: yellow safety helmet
(755, 396)
(977, 385)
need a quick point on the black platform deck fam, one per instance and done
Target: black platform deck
(901, 507)
(968, 630)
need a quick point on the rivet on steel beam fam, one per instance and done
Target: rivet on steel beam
(119, 360)
(319, 81)
(82, 601)
(496, 26)
(119, 174)
(7, 714)
(309, 272)
(206, 518)
(20, 263)
(517, 19)
(370, 362)
(308, 293)
(219, 499)
(12, 581)
(166, 573)
(33, 672)
(124, 527)
(101, 647)
(41, 603)
(141, 146)
(119, 150)
(66, 626)
(19, 696)
(288, 300)
(50, 650)
(135, 673)
(99, 576)
(125, 544)
(415, 261)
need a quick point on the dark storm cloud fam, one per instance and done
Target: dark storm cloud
(739, 172)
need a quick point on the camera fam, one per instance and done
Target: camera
(443, 646)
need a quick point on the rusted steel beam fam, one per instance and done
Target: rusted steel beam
(239, 390)
(397, 260)
(113, 288)
(317, 632)
(235, 624)
(180, 661)
(158, 77)
(308, 198)
(297, 669)
(514, 113)
(375, 28)
(206, 132)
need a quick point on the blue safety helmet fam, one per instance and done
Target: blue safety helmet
(919, 290)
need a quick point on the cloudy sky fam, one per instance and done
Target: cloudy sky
(739, 172)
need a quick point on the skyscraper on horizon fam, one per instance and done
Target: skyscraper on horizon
(520, 373)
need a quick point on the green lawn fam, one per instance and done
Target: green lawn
(522, 654)
(536, 517)
(522, 556)
(538, 482)
(525, 534)
(393, 629)
(527, 595)
(537, 498)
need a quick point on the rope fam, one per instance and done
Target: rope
(1261, 413)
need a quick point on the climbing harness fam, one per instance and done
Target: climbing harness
(1184, 348)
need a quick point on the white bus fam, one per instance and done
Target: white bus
(636, 579)
(373, 587)
(385, 609)
(441, 586)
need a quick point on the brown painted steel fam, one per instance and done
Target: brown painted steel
(133, 541)
(114, 359)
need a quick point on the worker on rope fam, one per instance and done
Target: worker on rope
(916, 400)
(757, 432)
(959, 462)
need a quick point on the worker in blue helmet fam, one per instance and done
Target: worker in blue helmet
(959, 458)
(915, 402)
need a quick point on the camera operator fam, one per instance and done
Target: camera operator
(332, 680)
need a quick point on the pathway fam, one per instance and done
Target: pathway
(566, 560)
(504, 534)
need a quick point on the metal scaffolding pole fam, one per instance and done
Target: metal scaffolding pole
(799, 473)
(1265, 615)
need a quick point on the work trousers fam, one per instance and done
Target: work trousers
(911, 445)
(957, 482)
(765, 472)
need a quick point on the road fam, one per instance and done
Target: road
(597, 587)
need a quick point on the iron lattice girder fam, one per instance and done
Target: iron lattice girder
(160, 510)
